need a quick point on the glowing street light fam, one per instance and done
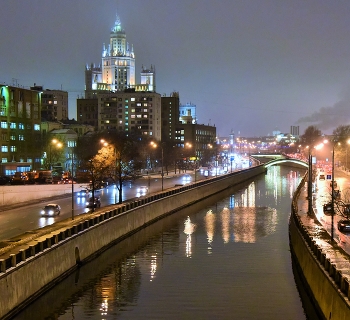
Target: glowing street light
(55, 143)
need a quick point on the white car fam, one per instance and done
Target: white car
(141, 191)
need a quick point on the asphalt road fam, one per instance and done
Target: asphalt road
(16, 220)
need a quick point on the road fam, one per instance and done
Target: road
(17, 221)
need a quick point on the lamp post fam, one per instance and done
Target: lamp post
(309, 189)
(332, 223)
(154, 145)
(162, 166)
(54, 142)
(72, 184)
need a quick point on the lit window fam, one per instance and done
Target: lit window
(12, 137)
(21, 126)
(55, 102)
(13, 148)
(3, 125)
(132, 99)
(4, 148)
(21, 137)
(37, 127)
(13, 125)
(132, 116)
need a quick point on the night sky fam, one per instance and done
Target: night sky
(250, 66)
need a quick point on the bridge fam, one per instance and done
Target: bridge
(277, 159)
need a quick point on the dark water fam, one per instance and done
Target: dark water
(226, 258)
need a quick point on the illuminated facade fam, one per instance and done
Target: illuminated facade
(116, 72)
(130, 111)
(20, 135)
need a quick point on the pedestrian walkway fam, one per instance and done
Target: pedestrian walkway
(319, 225)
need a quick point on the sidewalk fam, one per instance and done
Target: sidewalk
(319, 225)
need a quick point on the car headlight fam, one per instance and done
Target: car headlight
(51, 212)
(42, 211)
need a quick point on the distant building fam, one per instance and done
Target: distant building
(54, 103)
(188, 113)
(130, 111)
(87, 111)
(201, 138)
(294, 130)
(169, 116)
(116, 73)
(20, 136)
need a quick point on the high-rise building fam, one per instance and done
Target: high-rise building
(130, 111)
(117, 71)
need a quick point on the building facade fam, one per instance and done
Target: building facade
(130, 111)
(20, 135)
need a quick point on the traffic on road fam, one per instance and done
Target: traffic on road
(15, 222)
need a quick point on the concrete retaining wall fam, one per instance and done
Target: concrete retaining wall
(329, 288)
(16, 194)
(39, 264)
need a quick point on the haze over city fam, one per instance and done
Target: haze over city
(250, 66)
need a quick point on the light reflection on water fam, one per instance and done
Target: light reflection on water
(228, 260)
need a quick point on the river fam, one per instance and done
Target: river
(225, 258)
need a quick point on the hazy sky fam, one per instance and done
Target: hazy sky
(250, 66)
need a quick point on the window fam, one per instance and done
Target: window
(21, 137)
(12, 125)
(3, 125)
(21, 126)
(37, 127)
(4, 148)
(13, 148)
(12, 137)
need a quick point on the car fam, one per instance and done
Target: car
(83, 193)
(4, 180)
(344, 225)
(94, 203)
(327, 208)
(186, 178)
(141, 191)
(51, 209)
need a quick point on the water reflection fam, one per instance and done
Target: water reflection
(189, 229)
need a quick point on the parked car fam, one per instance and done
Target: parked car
(344, 225)
(4, 180)
(94, 203)
(51, 209)
(327, 208)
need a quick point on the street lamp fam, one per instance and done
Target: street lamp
(154, 145)
(72, 182)
(309, 189)
(332, 189)
(57, 144)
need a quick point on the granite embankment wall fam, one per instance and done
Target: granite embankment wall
(30, 268)
(328, 287)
